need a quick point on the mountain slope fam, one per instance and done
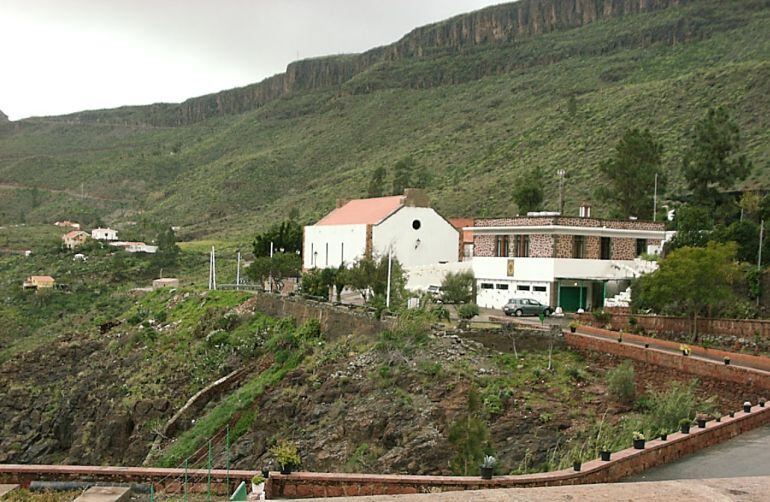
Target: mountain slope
(475, 99)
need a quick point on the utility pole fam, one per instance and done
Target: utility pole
(759, 258)
(390, 265)
(270, 277)
(655, 200)
(238, 272)
(212, 270)
(561, 173)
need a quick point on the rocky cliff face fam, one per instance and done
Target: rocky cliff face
(496, 25)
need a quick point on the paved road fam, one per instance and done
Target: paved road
(746, 455)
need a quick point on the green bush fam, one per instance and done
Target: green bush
(457, 287)
(468, 311)
(621, 383)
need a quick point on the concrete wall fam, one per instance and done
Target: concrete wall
(435, 241)
(622, 465)
(344, 243)
(419, 278)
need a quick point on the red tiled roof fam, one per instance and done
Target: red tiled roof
(363, 211)
(459, 223)
(74, 233)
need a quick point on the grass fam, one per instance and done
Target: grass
(472, 119)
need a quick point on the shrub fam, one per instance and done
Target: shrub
(457, 287)
(468, 311)
(285, 454)
(601, 316)
(439, 313)
(621, 383)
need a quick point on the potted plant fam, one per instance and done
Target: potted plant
(731, 413)
(701, 419)
(726, 360)
(573, 326)
(286, 456)
(638, 440)
(685, 349)
(488, 467)
(605, 453)
(747, 406)
(684, 425)
(577, 459)
(718, 416)
(258, 486)
(620, 338)
(663, 434)
(646, 345)
(761, 402)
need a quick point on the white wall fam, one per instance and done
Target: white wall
(548, 269)
(497, 296)
(419, 278)
(346, 242)
(434, 242)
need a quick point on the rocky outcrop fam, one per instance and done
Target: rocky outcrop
(497, 25)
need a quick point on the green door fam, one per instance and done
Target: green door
(572, 298)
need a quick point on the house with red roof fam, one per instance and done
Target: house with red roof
(404, 225)
(74, 239)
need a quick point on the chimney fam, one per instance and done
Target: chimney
(585, 210)
(416, 197)
(342, 202)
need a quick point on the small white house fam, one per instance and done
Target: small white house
(104, 234)
(404, 225)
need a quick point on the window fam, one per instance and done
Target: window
(501, 245)
(522, 287)
(521, 246)
(327, 254)
(416, 224)
(539, 289)
(605, 248)
(578, 246)
(486, 285)
(641, 246)
(501, 286)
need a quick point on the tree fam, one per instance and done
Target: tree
(402, 175)
(278, 267)
(421, 177)
(469, 436)
(694, 225)
(370, 276)
(285, 236)
(528, 192)
(630, 175)
(713, 161)
(377, 183)
(691, 280)
(457, 287)
(168, 251)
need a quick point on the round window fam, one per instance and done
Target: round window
(416, 224)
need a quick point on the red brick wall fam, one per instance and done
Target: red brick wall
(623, 464)
(669, 324)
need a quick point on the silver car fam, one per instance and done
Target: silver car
(526, 306)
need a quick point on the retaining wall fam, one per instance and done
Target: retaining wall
(335, 321)
(741, 328)
(623, 464)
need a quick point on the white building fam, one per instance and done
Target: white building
(564, 262)
(402, 224)
(104, 234)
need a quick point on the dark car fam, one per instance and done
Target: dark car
(526, 306)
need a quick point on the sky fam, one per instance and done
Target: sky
(62, 56)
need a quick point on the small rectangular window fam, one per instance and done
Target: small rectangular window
(521, 246)
(501, 245)
(486, 285)
(641, 246)
(605, 248)
(540, 289)
(522, 287)
(501, 286)
(578, 246)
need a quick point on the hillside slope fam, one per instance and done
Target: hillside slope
(476, 99)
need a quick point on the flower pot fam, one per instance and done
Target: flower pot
(576, 466)
(605, 455)
(684, 353)
(486, 472)
(701, 423)
(663, 437)
(646, 345)
(620, 340)
(718, 419)
(747, 408)
(727, 361)
(572, 329)
(761, 404)
(639, 444)
(685, 428)
(732, 414)
(258, 491)
(286, 469)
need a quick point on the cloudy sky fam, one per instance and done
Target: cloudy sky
(61, 56)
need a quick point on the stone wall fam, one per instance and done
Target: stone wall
(540, 246)
(623, 464)
(336, 321)
(568, 222)
(623, 249)
(743, 328)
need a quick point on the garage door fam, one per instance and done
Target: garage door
(572, 298)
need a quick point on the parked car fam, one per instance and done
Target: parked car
(434, 291)
(526, 306)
